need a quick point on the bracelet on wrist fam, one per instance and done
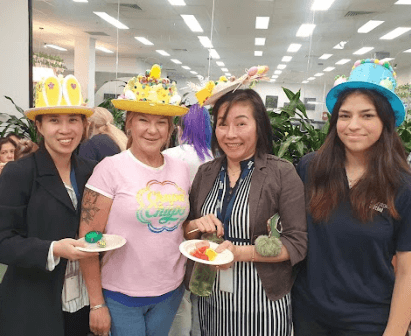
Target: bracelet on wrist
(97, 306)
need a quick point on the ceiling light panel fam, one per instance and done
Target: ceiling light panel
(213, 54)
(205, 41)
(329, 69)
(258, 53)
(319, 74)
(224, 69)
(311, 78)
(111, 20)
(342, 61)
(193, 72)
(192, 23)
(55, 47)
(294, 47)
(177, 2)
(219, 63)
(143, 40)
(363, 50)
(262, 22)
(278, 72)
(162, 52)
(227, 74)
(80, 0)
(281, 66)
(370, 25)
(403, 2)
(103, 49)
(176, 61)
(321, 5)
(272, 80)
(305, 30)
(304, 82)
(186, 67)
(340, 45)
(407, 51)
(274, 76)
(259, 41)
(286, 59)
(395, 33)
(325, 56)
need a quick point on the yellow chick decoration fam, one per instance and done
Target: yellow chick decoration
(223, 79)
(155, 71)
(205, 93)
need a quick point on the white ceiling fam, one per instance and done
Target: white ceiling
(233, 33)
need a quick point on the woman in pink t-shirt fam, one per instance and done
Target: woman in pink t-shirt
(141, 195)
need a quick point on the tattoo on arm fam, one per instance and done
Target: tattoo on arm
(89, 208)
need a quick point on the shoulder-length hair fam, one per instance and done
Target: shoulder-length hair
(251, 98)
(386, 165)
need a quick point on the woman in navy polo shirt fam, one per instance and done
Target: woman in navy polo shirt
(358, 192)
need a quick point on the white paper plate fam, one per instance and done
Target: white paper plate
(222, 258)
(112, 242)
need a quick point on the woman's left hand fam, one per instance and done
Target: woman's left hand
(227, 245)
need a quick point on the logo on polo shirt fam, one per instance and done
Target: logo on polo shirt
(379, 206)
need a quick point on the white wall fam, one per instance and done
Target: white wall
(14, 55)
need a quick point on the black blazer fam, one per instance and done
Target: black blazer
(35, 209)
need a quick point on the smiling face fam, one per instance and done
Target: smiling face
(237, 134)
(149, 132)
(7, 152)
(62, 133)
(358, 125)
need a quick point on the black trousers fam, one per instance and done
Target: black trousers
(77, 324)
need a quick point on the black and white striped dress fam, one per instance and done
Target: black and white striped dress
(247, 311)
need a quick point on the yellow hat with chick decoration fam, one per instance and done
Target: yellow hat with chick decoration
(58, 95)
(151, 94)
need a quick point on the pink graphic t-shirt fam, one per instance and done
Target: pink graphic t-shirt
(148, 210)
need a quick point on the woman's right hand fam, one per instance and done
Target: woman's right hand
(209, 223)
(66, 248)
(100, 321)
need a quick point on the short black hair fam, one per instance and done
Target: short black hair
(253, 99)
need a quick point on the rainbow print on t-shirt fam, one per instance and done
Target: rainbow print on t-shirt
(163, 206)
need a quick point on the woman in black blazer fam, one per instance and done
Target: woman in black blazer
(39, 219)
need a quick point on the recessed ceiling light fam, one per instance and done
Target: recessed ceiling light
(329, 69)
(403, 2)
(321, 5)
(286, 59)
(340, 45)
(176, 61)
(258, 53)
(395, 33)
(277, 72)
(325, 56)
(281, 66)
(363, 50)
(103, 49)
(304, 82)
(272, 80)
(274, 76)
(370, 25)
(177, 2)
(261, 22)
(205, 41)
(224, 69)
(318, 74)
(227, 74)
(192, 23)
(294, 47)
(213, 54)
(306, 29)
(143, 40)
(162, 52)
(193, 72)
(111, 20)
(80, 0)
(260, 41)
(343, 61)
(311, 78)
(54, 47)
(186, 67)
(219, 63)
(407, 51)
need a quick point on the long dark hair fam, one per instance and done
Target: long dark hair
(251, 98)
(383, 176)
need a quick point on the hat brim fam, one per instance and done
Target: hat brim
(149, 107)
(216, 96)
(395, 102)
(32, 113)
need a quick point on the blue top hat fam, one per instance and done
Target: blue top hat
(370, 74)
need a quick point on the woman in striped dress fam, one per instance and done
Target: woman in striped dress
(234, 196)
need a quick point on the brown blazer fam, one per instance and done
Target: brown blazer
(275, 187)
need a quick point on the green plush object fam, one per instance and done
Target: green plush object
(270, 246)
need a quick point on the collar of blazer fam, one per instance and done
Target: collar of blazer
(49, 178)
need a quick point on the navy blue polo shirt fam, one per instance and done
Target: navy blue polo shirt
(347, 279)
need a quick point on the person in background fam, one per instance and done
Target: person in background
(103, 137)
(24, 148)
(358, 193)
(7, 148)
(235, 195)
(141, 195)
(194, 137)
(40, 195)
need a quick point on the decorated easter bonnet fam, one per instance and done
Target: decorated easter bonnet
(58, 95)
(370, 74)
(215, 90)
(151, 94)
